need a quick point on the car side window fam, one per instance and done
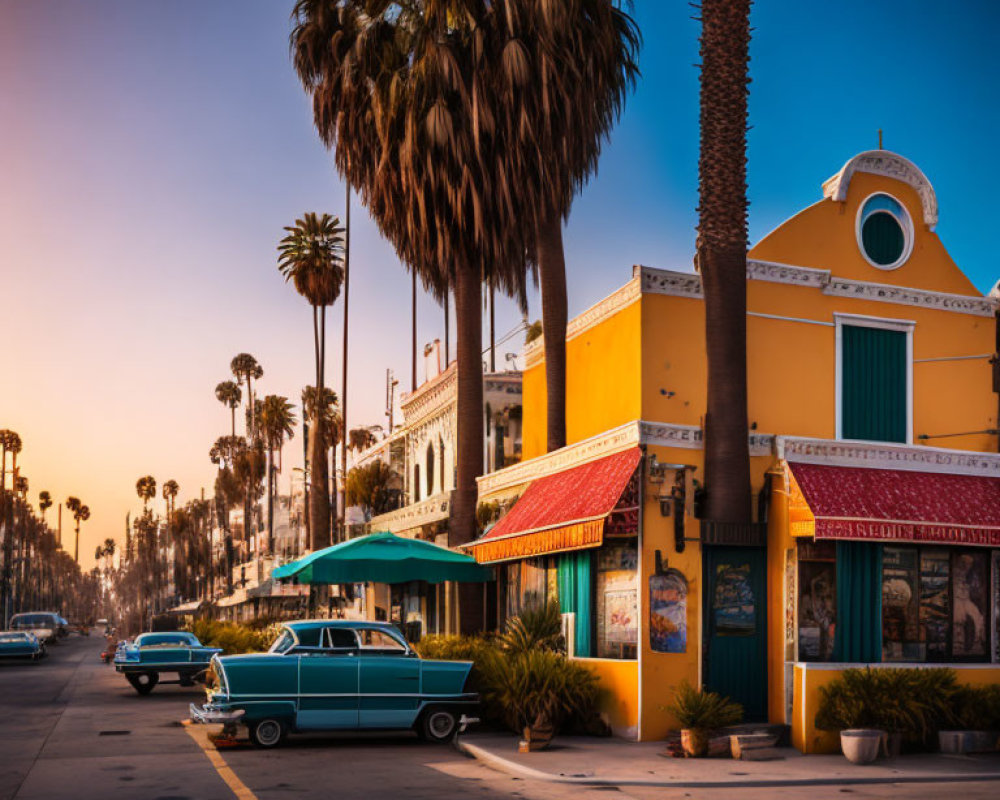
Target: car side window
(340, 639)
(309, 637)
(373, 639)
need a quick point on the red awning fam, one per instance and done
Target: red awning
(564, 511)
(900, 505)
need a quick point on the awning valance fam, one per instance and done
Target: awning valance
(560, 512)
(836, 502)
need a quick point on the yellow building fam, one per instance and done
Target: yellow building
(874, 456)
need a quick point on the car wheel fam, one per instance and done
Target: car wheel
(267, 732)
(438, 725)
(143, 682)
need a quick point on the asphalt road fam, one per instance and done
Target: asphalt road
(70, 727)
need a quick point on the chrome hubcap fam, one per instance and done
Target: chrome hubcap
(441, 724)
(268, 732)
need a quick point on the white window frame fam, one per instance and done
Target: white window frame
(861, 321)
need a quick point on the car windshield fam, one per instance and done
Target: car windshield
(31, 621)
(13, 637)
(160, 639)
(283, 642)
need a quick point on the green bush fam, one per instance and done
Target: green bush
(232, 637)
(697, 709)
(538, 628)
(540, 685)
(913, 702)
(977, 708)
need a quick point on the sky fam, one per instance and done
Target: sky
(151, 152)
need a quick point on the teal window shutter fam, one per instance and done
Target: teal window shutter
(574, 577)
(874, 401)
(858, 637)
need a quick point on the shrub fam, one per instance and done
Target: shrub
(697, 709)
(232, 637)
(538, 628)
(540, 685)
(977, 708)
(913, 702)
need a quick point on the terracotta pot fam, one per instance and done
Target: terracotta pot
(861, 745)
(695, 742)
(538, 735)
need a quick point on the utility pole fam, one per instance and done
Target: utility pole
(341, 497)
(413, 340)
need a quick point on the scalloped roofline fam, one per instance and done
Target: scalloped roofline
(889, 165)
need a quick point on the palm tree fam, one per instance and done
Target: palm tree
(145, 487)
(44, 503)
(10, 442)
(277, 423)
(562, 75)
(80, 514)
(722, 253)
(245, 368)
(311, 256)
(228, 393)
(398, 93)
(361, 439)
(169, 492)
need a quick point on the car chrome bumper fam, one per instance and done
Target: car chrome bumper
(210, 716)
(464, 722)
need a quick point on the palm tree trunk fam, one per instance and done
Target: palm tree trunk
(447, 329)
(319, 475)
(270, 501)
(468, 313)
(493, 328)
(552, 278)
(305, 483)
(413, 335)
(721, 254)
(341, 500)
(232, 410)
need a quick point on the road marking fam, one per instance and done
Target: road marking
(240, 789)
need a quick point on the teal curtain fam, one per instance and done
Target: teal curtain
(858, 637)
(574, 574)
(873, 378)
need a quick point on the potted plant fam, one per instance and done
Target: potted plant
(699, 713)
(850, 705)
(976, 709)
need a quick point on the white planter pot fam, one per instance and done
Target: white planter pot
(861, 745)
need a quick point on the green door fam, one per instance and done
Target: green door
(735, 614)
(873, 384)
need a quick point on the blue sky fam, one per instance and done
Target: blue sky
(151, 152)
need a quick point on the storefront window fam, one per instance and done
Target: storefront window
(529, 584)
(617, 618)
(935, 604)
(817, 604)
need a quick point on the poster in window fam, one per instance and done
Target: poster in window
(733, 603)
(969, 604)
(668, 612)
(935, 614)
(900, 621)
(817, 609)
(621, 615)
(617, 559)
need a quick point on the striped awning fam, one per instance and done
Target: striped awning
(560, 512)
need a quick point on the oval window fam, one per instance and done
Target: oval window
(885, 232)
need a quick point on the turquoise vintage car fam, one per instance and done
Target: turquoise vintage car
(326, 675)
(143, 661)
(21, 644)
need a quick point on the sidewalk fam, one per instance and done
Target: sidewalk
(614, 762)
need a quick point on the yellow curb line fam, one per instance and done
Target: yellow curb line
(240, 789)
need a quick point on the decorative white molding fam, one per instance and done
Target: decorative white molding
(610, 305)
(692, 437)
(431, 397)
(880, 455)
(664, 281)
(433, 509)
(889, 165)
(900, 295)
(604, 444)
(774, 272)
(631, 434)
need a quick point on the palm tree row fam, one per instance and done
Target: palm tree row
(456, 121)
(37, 573)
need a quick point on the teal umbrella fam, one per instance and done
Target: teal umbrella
(383, 558)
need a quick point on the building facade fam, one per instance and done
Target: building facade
(873, 414)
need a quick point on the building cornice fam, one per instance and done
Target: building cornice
(431, 396)
(631, 434)
(881, 455)
(432, 509)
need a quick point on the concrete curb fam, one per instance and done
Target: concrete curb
(502, 764)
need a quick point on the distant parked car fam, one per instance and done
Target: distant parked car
(143, 661)
(325, 675)
(64, 626)
(21, 644)
(44, 624)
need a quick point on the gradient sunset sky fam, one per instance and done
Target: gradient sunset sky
(150, 153)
